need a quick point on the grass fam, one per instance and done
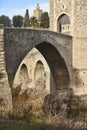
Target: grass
(11, 125)
(36, 123)
(14, 125)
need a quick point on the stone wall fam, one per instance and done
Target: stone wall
(34, 79)
(5, 91)
(76, 10)
(59, 7)
(55, 48)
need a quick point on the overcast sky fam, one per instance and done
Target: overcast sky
(18, 7)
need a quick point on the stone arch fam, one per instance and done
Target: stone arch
(39, 58)
(64, 24)
(23, 72)
(21, 77)
(60, 79)
(55, 48)
(30, 61)
(39, 75)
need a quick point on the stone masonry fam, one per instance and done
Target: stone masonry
(5, 90)
(65, 54)
(76, 10)
(35, 74)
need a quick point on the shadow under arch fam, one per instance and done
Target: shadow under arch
(60, 76)
(63, 24)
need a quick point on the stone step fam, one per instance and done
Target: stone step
(1, 40)
(1, 35)
(1, 43)
(2, 63)
(2, 52)
(2, 67)
(2, 70)
(2, 59)
(1, 55)
(1, 49)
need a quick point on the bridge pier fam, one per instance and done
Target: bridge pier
(5, 90)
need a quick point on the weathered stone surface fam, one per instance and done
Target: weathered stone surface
(55, 48)
(33, 72)
(65, 55)
(5, 91)
(76, 11)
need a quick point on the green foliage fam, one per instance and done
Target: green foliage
(45, 20)
(35, 119)
(5, 21)
(33, 22)
(26, 19)
(13, 125)
(17, 21)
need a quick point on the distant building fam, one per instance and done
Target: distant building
(37, 13)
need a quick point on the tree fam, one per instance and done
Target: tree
(26, 19)
(33, 22)
(17, 21)
(45, 20)
(5, 20)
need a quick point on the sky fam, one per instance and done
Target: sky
(18, 7)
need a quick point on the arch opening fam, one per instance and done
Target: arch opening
(59, 74)
(40, 75)
(63, 24)
(23, 76)
(60, 79)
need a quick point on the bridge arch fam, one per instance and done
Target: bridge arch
(31, 63)
(60, 79)
(55, 48)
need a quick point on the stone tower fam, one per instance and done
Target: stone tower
(37, 13)
(62, 15)
(70, 17)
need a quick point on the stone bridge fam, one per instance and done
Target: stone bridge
(56, 48)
